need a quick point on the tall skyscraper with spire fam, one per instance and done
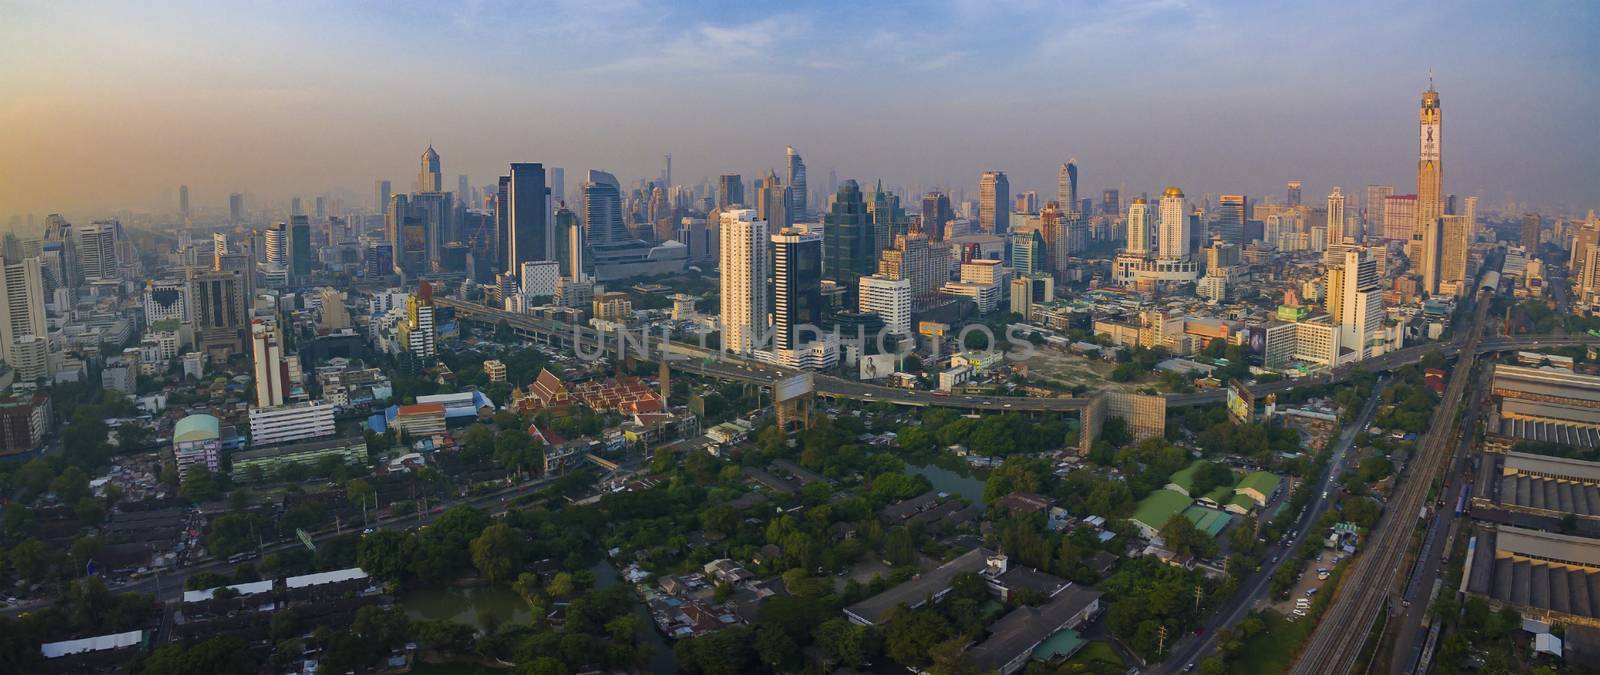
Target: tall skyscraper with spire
(797, 186)
(1430, 170)
(429, 179)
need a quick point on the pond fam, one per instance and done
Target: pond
(945, 480)
(463, 605)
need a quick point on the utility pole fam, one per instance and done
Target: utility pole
(1197, 595)
(1161, 643)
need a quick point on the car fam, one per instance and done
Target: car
(1299, 612)
(438, 509)
(1311, 591)
(1274, 560)
(368, 531)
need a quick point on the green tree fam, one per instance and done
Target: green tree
(842, 643)
(198, 486)
(498, 552)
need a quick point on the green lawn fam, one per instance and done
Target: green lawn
(1097, 651)
(1271, 650)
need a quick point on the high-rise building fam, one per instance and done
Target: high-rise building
(1294, 193)
(236, 208)
(1057, 241)
(744, 268)
(730, 190)
(602, 209)
(429, 178)
(849, 251)
(912, 258)
(796, 287)
(797, 186)
(936, 215)
(271, 375)
(1111, 202)
(300, 255)
(418, 333)
(97, 250)
(890, 299)
(1067, 185)
(1470, 210)
(1530, 232)
(380, 195)
(295, 207)
(1231, 214)
(1455, 233)
(527, 222)
(463, 192)
(1338, 227)
(1372, 217)
(1361, 301)
(220, 310)
(1140, 233)
(320, 207)
(1430, 168)
(277, 242)
(666, 170)
(1399, 217)
(183, 202)
(23, 320)
(570, 245)
(1028, 252)
(994, 195)
(1173, 241)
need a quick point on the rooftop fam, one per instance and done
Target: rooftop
(912, 593)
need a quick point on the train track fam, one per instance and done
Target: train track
(1339, 636)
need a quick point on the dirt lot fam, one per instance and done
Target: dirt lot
(1069, 369)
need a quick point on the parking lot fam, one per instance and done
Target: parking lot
(1308, 580)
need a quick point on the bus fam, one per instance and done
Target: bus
(1461, 502)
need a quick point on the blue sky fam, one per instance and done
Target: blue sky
(301, 98)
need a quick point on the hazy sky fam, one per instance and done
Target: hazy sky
(112, 105)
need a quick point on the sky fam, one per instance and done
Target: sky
(110, 106)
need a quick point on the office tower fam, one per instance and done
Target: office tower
(1232, 211)
(602, 209)
(500, 199)
(236, 208)
(796, 286)
(1140, 233)
(1026, 202)
(1338, 230)
(429, 178)
(1173, 240)
(1111, 202)
(744, 268)
(1057, 242)
(1360, 298)
(278, 245)
(462, 191)
(666, 170)
(1530, 232)
(183, 202)
(1430, 168)
(1067, 185)
(1294, 193)
(97, 250)
(528, 229)
(1029, 253)
(912, 259)
(300, 255)
(660, 213)
(994, 193)
(1470, 210)
(1399, 217)
(569, 244)
(1455, 233)
(319, 207)
(780, 204)
(1377, 198)
(271, 375)
(797, 186)
(890, 299)
(220, 310)
(730, 190)
(295, 208)
(380, 195)
(378, 260)
(22, 302)
(936, 215)
(887, 218)
(848, 248)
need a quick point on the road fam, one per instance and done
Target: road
(1337, 640)
(1255, 586)
(1412, 629)
(712, 363)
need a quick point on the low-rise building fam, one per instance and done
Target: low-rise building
(352, 450)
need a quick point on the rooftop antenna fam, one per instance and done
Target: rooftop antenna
(1430, 79)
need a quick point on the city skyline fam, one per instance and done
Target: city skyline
(115, 97)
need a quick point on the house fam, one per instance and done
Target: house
(1023, 503)
(1156, 509)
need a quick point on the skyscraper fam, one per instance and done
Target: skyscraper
(556, 178)
(730, 190)
(1232, 211)
(97, 250)
(1067, 185)
(219, 310)
(183, 202)
(463, 192)
(994, 198)
(1455, 233)
(1430, 169)
(1028, 252)
(1294, 193)
(22, 319)
(1057, 241)
(666, 171)
(236, 208)
(1530, 232)
(1139, 227)
(797, 186)
(602, 209)
(277, 240)
(380, 195)
(527, 222)
(1373, 218)
(936, 215)
(1337, 227)
(1361, 314)
(1470, 210)
(848, 248)
(744, 268)
(1173, 242)
(300, 255)
(266, 354)
(429, 179)
(796, 286)
(569, 244)
(1111, 202)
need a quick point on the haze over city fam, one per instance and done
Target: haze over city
(109, 107)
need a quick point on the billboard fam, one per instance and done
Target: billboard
(875, 366)
(1256, 344)
(793, 387)
(1241, 403)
